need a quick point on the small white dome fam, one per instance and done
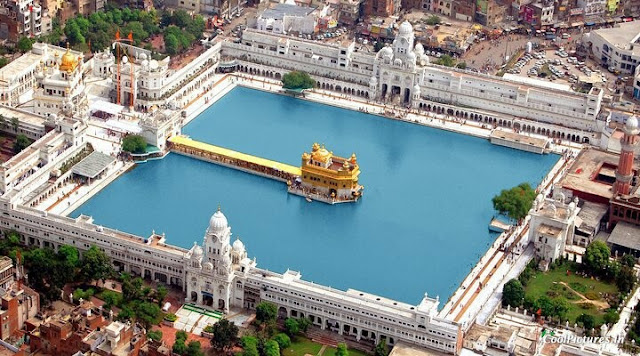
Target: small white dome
(143, 56)
(238, 246)
(419, 49)
(208, 266)
(631, 124)
(145, 62)
(386, 51)
(197, 252)
(153, 64)
(572, 206)
(411, 56)
(397, 62)
(416, 88)
(373, 80)
(218, 223)
(405, 28)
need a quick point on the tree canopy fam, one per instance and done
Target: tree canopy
(297, 80)
(225, 335)
(20, 143)
(271, 348)
(433, 20)
(95, 265)
(512, 293)
(291, 326)
(515, 202)
(24, 44)
(341, 350)
(446, 60)
(266, 312)
(134, 144)
(597, 256)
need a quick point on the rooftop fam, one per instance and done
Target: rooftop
(93, 164)
(537, 82)
(622, 35)
(549, 230)
(582, 175)
(279, 11)
(626, 235)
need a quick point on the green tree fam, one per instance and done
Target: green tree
(134, 144)
(3, 62)
(341, 350)
(546, 305)
(271, 348)
(626, 279)
(182, 335)
(461, 65)
(628, 260)
(20, 143)
(179, 347)
(155, 335)
(377, 46)
(95, 265)
(512, 293)
(24, 44)
(147, 313)
(15, 124)
(382, 349)
(194, 349)
(433, 20)
(304, 324)
(515, 202)
(266, 312)
(446, 60)
(161, 293)
(249, 345)
(283, 340)
(297, 80)
(587, 321)
(597, 256)
(131, 288)
(560, 307)
(291, 326)
(611, 317)
(68, 259)
(225, 334)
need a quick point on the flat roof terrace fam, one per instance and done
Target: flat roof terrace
(583, 174)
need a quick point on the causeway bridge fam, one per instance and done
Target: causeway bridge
(234, 159)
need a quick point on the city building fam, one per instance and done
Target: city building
(350, 12)
(60, 85)
(402, 74)
(329, 175)
(20, 18)
(382, 8)
(18, 78)
(616, 48)
(226, 9)
(490, 12)
(87, 7)
(636, 83)
(464, 10)
(592, 8)
(17, 301)
(551, 227)
(286, 18)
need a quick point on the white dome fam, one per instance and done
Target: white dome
(412, 56)
(397, 62)
(386, 51)
(631, 124)
(405, 28)
(208, 266)
(143, 56)
(416, 88)
(218, 223)
(419, 49)
(238, 246)
(373, 80)
(197, 252)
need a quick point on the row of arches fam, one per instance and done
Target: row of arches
(487, 119)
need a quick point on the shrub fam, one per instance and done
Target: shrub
(587, 305)
(592, 295)
(283, 340)
(85, 295)
(171, 318)
(134, 144)
(208, 328)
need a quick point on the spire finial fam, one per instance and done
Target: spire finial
(218, 206)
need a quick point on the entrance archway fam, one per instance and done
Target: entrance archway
(221, 303)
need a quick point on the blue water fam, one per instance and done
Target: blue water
(420, 227)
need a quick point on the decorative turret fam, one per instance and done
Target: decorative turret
(628, 142)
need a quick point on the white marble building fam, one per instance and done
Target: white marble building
(552, 227)
(401, 74)
(616, 47)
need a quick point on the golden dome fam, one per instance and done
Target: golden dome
(321, 155)
(306, 156)
(315, 147)
(68, 62)
(353, 158)
(346, 165)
